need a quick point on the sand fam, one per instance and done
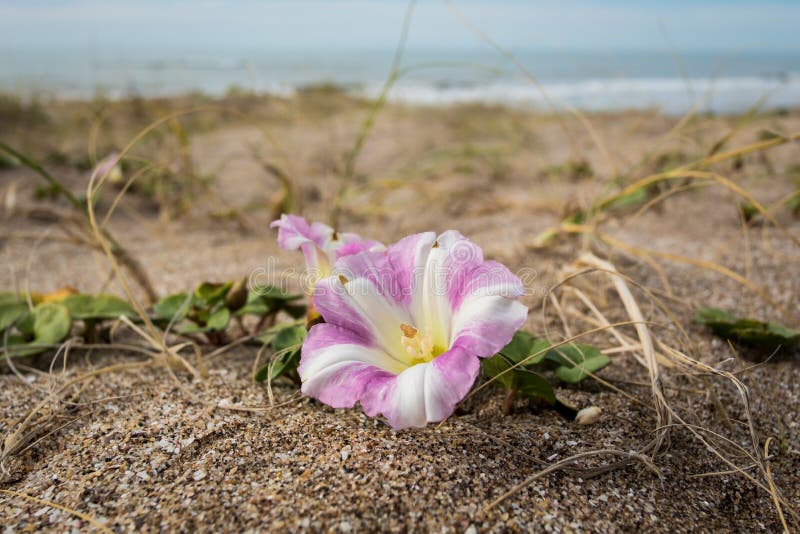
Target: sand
(143, 450)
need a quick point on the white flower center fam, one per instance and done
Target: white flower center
(419, 345)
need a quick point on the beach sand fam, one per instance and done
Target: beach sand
(145, 449)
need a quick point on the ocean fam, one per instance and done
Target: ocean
(597, 81)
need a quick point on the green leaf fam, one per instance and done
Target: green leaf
(97, 307)
(524, 345)
(173, 306)
(270, 299)
(12, 308)
(750, 332)
(276, 293)
(210, 294)
(192, 328)
(714, 315)
(749, 211)
(279, 300)
(634, 198)
(573, 375)
(579, 217)
(769, 336)
(496, 367)
(50, 324)
(522, 380)
(535, 386)
(218, 321)
(255, 305)
(207, 322)
(286, 344)
(572, 354)
(11, 297)
(575, 361)
(793, 202)
(295, 311)
(546, 237)
(12, 340)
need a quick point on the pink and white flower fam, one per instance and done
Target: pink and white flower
(405, 327)
(321, 244)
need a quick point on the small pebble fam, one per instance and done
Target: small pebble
(589, 415)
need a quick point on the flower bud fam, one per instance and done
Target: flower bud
(237, 296)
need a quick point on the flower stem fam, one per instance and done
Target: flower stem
(509, 401)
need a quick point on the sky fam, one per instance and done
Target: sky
(610, 25)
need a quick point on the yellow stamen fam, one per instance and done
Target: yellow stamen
(408, 330)
(418, 345)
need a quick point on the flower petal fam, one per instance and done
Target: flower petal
(294, 231)
(455, 372)
(485, 324)
(360, 305)
(426, 392)
(348, 244)
(337, 366)
(408, 258)
(486, 278)
(340, 368)
(333, 303)
(427, 267)
(485, 310)
(320, 244)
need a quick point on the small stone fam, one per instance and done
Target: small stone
(346, 450)
(589, 415)
(199, 475)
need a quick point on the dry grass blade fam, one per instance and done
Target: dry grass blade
(666, 413)
(703, 175)
(579, 115)
(566, 462)
(708, 265)
(40, 419)
(747, 149)
(663, 415)
(756, 455)
(130, 263)
(639, 252)
(369, 120)
(774, 492)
